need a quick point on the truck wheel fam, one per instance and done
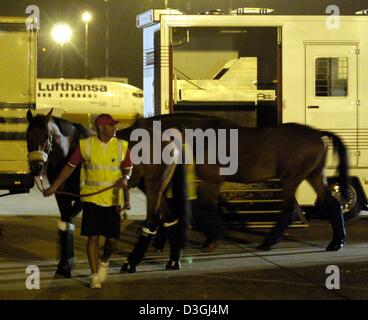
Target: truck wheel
(353, 205)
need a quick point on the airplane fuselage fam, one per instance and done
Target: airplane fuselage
(89, 97)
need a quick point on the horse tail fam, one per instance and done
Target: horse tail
(343, 167)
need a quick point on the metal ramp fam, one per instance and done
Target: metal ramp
(254, 205)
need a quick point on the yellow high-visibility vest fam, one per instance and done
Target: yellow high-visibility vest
(101, 168)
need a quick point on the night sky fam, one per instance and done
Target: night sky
(125, 44)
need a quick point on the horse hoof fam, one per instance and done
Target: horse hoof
(63, 273)
(210, 246)
(335, 246)
(173, 265)
(127, 268)
(263, 247)
(158, 245)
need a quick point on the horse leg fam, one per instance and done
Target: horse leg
(333, 208)
(66, 239)
(126, 194)
(206, 216)
(290, 207)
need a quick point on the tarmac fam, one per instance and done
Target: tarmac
(298, 268)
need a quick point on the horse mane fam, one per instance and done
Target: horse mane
(67, 128)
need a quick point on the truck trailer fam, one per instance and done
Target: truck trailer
(264, 70)
(18, 56)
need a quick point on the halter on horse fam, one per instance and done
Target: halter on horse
(50, 143)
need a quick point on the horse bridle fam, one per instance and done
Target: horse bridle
(42, 154)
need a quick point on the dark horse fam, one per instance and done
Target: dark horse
(290, 152)
(51, 141)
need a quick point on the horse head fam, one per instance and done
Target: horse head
(39, 141)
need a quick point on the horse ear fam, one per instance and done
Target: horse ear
(29, 115)
(48, 116)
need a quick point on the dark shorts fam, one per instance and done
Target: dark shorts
(97, 220)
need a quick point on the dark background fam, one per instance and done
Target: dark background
(125, 41)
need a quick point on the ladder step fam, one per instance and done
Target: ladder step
(257, 212)
(267, 224)
(255, 200)
(250, 190)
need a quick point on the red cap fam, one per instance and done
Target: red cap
(105, 118)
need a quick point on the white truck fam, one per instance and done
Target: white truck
(18, 56)
(264, 70)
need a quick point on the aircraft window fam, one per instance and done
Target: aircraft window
(72, 95)
(78, 95)
(67, 95)
(38, 94)
(49, 95)
(95, 95)
(138, 94)
(84, 95)
(61, 95)
(89, 96)
(44, 95)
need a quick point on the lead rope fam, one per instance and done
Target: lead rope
(123, 211)
(65, 193)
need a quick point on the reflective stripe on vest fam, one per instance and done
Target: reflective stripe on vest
(101, 168)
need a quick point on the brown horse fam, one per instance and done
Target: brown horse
(290, 152)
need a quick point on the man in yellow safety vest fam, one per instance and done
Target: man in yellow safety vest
(105, 162)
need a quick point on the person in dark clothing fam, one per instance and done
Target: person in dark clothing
(203, 218)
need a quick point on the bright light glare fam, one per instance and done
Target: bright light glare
(86, 16)
(61, 33)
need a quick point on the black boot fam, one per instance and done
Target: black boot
(137, 254)
(173, 265)
(338, 226)
(67, 258)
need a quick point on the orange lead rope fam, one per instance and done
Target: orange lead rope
(42, 189)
